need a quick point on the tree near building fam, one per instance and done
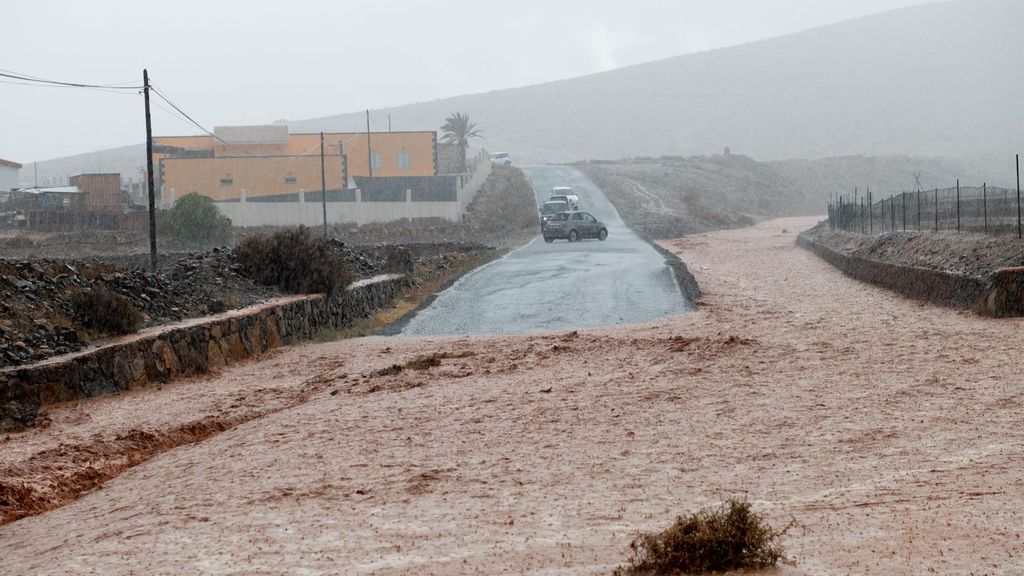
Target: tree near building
(196, 223)
(458, 129)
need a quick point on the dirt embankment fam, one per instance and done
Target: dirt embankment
(669, 197)
(958, 253)
(962, 270)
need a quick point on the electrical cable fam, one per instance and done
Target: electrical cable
(43, 81)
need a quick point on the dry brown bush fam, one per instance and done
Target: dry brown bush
(106, 311)
(295, 261)
(730, 537)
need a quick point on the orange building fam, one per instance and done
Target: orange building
(267, 160)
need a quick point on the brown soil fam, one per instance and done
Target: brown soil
(968, 253)
(888, 429)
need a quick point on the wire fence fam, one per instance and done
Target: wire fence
(983, 209)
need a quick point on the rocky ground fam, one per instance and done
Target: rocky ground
(965, 253)
(38, 319)
(886, 429)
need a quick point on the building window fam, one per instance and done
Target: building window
(291, 180)
(375, 161)
(404, 161)
(227, 181)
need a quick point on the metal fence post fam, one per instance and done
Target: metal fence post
(918, 194)
(957, 204)
(1018, 197)
(936, 209)
(871, 214)
(984, 203)
(892, 211)
(903, 205)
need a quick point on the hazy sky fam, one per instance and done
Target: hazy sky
(250, 62)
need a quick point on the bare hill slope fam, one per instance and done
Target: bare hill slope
(935, 80)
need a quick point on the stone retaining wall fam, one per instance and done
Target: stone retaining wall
(935, 286)
(190, 347)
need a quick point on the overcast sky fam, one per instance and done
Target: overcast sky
(250, 62)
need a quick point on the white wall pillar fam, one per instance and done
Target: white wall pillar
(241, 208)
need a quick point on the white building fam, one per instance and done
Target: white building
(8, 175)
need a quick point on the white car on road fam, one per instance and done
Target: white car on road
(502, 158)
(566, 194)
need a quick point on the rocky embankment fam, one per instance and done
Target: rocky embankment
(960, 270)
(38, 316)
(39, 320)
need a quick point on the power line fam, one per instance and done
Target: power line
(190, 119)
(43, 81)
(195, 123)
(35, 85)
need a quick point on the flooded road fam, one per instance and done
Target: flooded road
(559, 286)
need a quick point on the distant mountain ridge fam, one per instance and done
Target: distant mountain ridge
(942, 81)
(939, 79)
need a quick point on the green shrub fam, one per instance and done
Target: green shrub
(293, 260)
(106, 311)
(197, 224)
(731, 537)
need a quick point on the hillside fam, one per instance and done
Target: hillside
(934, 80)
(671, 196)
(892, 174)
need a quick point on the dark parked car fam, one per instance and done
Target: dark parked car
(573, 226)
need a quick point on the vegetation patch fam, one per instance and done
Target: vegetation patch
(197, 224)
(103, 310)
(295, 261)
(730, 537)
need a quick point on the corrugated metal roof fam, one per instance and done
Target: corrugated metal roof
(247, 135)
(54, 190)
(10, 163)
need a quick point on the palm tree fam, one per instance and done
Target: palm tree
(458, 130)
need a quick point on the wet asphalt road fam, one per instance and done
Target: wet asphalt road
(559, 286)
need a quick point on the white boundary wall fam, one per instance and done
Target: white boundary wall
(249, 214)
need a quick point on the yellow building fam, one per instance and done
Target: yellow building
(268, 161)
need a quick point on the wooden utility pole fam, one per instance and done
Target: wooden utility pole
(323, 182)
(369, 148)
(149, 173)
